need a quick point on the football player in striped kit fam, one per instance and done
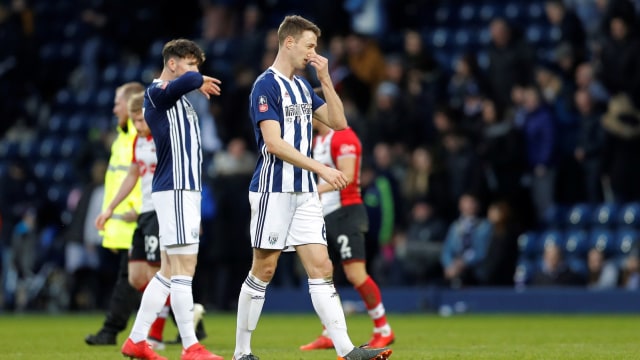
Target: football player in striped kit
(176, 195)
(286, 213)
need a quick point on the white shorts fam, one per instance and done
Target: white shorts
(281, 221)
(178, 216)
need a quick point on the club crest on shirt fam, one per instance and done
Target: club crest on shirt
(273, 238)
(263, 106)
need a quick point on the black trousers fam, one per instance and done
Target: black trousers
(124, 300)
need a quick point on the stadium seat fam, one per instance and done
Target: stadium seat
(29, 149)
(603, 240)
(56, 124)
(9, 149)
(43, 170)
(63, 172)
(626, 239)
(525, 271)
(439, 38)
(604, 214)
(578, 216)
(629, 215)
(549, 237)
(576, 243)
(535, 11)
(49, 147)
(70, 146)
(528, 245)
(554, 216)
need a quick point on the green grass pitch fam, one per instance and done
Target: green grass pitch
(419, 336)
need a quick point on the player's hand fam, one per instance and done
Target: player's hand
(130, 216)
(334, 177)
(210, 86)
(102, 219)
(321, 64)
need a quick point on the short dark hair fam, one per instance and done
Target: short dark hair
(182, 49)
(295, 25)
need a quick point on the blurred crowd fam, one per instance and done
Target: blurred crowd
(479, 119)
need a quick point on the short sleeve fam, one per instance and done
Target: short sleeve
(265, 101)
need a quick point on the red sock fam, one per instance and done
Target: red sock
(157, 328)
(370, 294)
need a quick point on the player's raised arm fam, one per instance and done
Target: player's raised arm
(332, 113)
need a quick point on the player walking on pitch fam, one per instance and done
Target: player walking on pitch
(286, 213)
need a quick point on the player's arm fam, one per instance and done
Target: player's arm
(283, 150)
(125, 189)
(346, 164)
(167, 93)
(332, 112)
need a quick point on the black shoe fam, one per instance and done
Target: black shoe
(364, 353)
(101, 338)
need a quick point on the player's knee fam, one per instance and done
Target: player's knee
(138, 281)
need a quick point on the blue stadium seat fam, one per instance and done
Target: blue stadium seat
(629, 215)
(49, 147)
(43, 170)
(513, 12)
(78, 123)
(9, 149)
(603, 240)
(605, 214)
(576, 243)
(626, 239)
(439, 38)
(528, 245)
(58, 194)
(552, 236)
(468, 14)
(63, 172)
(525, 271)
(535, 11)
(579, 216)
(29, 149)
(489, 12)
(70, 146)
(56, 124)
(554, 216)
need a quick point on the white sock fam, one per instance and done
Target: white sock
(153, 299)
(327, 304)
(182, 306)
(250, 302)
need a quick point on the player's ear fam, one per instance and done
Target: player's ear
(289, 41)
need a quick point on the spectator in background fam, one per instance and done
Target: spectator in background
(570, 26)
(501, 151)
(602, 273)
(465, 79)
(619, 68)
(589, 145)
(367, 65)
(382, 198)
(462, 167)
(465, 247)
(630, 276)
(85, 258)
(424, 179)
(387, 122)
(540, 140)
(418, 249)
(499, 264)
(555, 271)
(510, 62)
(586, 80)
(620, 163)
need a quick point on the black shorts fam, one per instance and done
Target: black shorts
(145, 245)
(345, 232)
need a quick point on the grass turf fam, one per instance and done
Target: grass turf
(419, 336)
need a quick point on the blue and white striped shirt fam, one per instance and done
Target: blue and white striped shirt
(174, 126)
(291, 103)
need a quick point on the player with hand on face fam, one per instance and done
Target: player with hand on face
(286, 213)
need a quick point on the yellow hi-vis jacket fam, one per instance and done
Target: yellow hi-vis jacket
(117, 233)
